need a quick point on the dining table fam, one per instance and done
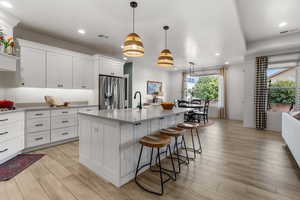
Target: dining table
(191, 105)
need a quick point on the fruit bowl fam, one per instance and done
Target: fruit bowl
(167, 105)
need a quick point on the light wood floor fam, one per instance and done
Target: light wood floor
(237, 164)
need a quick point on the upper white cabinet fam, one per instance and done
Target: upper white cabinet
(45, 66)
(111, 67)
(59, 70)
(32, 67)
(83, 73)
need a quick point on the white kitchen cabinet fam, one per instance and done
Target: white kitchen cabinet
(83, 73)
(111, 67)
(32, 67)
(11, 135)
(59, 70)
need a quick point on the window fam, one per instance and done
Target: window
(203, 87)
(282, 88)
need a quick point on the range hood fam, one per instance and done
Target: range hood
(7, 23)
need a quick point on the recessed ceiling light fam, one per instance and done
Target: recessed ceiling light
(122, 46)
(226, 63)
(218, 54)
(81, 31)
(282, 24)
(6, 4)
(124, 58)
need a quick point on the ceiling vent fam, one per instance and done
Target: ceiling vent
(285, 32)
(103, 36)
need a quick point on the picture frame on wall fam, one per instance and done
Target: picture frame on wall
(154, 88)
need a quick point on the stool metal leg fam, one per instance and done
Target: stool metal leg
(177, 154)
(186, 153)
(172, 161)
(193, 144)
(137, 168)
(160, 173)
(199, 141)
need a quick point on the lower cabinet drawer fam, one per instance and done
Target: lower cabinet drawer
(36, 139)
(63, 134)
(87, 109)
(40, 124)
(10, 132)
(11, 147)
(62, 122)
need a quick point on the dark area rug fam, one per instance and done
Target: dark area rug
(14, 166)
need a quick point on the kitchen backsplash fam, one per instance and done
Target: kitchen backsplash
(36, 95)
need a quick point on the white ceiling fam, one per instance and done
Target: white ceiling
(260, 18)
(198, 28)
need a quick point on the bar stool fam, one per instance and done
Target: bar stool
(176, 133)
(158, 142)
(191, 127)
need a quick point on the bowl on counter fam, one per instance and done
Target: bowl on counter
(167, 105)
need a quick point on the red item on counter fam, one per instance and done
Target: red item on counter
(6, 104)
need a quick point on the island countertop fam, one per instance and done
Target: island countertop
(134, 115)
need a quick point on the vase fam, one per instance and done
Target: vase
(8, 50)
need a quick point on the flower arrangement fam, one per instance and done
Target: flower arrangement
(8, 44)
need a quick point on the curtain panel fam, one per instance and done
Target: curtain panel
(261, 93)
(223, 94)
(297, 102)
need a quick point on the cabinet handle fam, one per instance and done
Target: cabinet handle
(4, 150)
(83, 86)
(64, 112)
(39, 114)
(4, 133)
(162, 118)
(3, 120)
(66, 133)
(65, 121)
(22, 83)
(137, 124)
(40, 138)
(177, 114)
(37, 125)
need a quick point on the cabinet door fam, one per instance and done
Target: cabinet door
(33, 67)
(59, 70)
(83, 74)
(117, 68)
(105, 66)
(111, 67)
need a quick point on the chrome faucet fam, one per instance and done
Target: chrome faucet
(140, 104)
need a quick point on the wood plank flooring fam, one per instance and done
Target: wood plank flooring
(237, 164)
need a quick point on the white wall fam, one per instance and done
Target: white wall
(235, 92)
(143, 72)
(175, 85)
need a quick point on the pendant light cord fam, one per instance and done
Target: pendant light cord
(133, 15)
(166, 39)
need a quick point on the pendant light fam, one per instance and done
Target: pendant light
(133, 46)
(165, 58)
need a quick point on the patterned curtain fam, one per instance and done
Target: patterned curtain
(261, 97)
(297, 103)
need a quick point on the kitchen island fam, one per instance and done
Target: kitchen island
(108, 139)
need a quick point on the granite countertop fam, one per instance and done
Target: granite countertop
(36, 108)
(134, 115)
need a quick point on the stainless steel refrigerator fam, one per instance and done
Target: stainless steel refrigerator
(113, 92)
